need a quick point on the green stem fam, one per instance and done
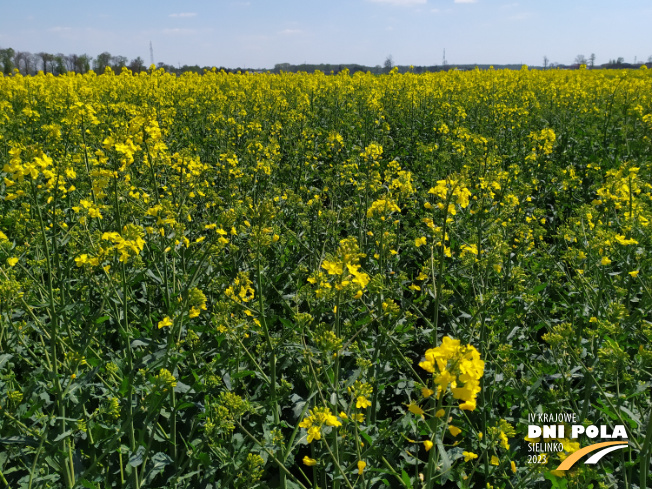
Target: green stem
(441, 271)
(36, 457)
(336, 380)
(645, 453)
(53, 337)
(2, 478)
(393, 472)
(272, 360)
(280, 464)
(130, 368)
(434, 425)
(268, 339)
(339, 467)
(604, 394)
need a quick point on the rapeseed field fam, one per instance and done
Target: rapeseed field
(304, 280)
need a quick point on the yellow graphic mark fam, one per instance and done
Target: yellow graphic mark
(570, 461)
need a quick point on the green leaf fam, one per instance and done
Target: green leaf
(63, 435)
(4, 358)
(137, 458)
(445, 459)
(406, 479)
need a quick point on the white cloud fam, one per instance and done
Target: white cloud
(183, 15)
(400, 2)
(466, 1)
(60, 29)
(290, 32)
(177, 31)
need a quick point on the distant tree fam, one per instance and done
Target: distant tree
(101, 62)
(22, 60)
(592, 60)
(616, 63)
(388, 64)
(118, 62)
(33, 61)
(60, 64)
(545, 62)
(649, 59)
(84, 63)
(7, 58)
(73, 62)
(278, 67)
(45, 59)
(580, 59)
(137, 65)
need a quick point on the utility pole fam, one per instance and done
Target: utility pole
(151, 53)
(443, 59)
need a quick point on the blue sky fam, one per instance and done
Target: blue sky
(260, 33)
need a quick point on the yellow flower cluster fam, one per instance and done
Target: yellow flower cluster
(346, 267)
(165, 379)
(382, 208)
(241, 290)
(196, 301)
(543, 142)
(360, 391)
(131, 244)
(446, 190)
(457, 366)
(314, 422)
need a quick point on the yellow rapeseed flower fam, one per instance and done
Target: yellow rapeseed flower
(454, 430)
(332, 267)
(469, 456)
(309, 461)
(415, 409)
(362, 402)
(166, 321)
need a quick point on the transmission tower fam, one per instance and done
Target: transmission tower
(151, 53)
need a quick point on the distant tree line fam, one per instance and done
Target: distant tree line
(388, 65)
(58, 64)
(617, 63)
(378, 69)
